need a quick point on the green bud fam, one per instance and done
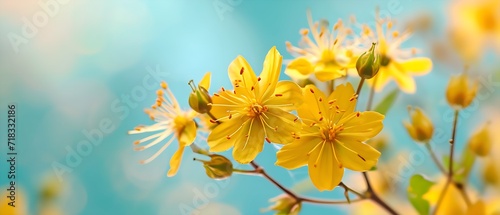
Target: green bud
(199, 99)
(368, 63)
(219, 167)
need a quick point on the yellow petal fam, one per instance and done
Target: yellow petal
(294, 155)
(286, 92)
(218, 140)
(281, 126)
(188, 133)
(477, 208)
(381, 79)
(418, 66)
(299, 68)
(342, 97)
(402, 77)
(175, 161)
(329, 71)
(224, 101)
(324, 170)
(249, 142)
(270, 72)
(242, 77)
(311, 106)
(356, 156)
(360, 126)
(205, 81)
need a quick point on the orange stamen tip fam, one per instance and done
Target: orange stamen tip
(163, 85)
(136, 142)
(278, 94)
(159, 92)
(213, 121)
(268, 140)
(242, 70)
(228, 137)
(312, 91)
(358, 114)
(258, 79)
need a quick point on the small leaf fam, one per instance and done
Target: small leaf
(386, 103)
(417, 188)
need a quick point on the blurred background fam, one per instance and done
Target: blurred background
(85, 70)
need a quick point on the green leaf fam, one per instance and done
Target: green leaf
(386, 103)
(417, 188)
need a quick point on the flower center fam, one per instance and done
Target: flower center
(256, 109)
(330, 133)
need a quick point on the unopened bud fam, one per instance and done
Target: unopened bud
(490, 172)
(461, 91)
(219, 167)
(420, 128)
(284, 204)
(368, 63)
(480, 143)
(199, 99)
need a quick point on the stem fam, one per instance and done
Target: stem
(360, 85)
(450, 166)
(330, 86)
(372, 94)
(379, 201)
(259, 170)
(434, 158)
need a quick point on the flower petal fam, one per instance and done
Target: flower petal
(324, 169)
(288, 96)
(344, 97)
(356, 155)
(175, 161)
(418, 66)
(328, 71)
(282, 126)
(380, 80)
(299, 68)
(295, 155)
(218, 139)
(225, 102)
(311, 108)
(270, 72)
(205, 81)
(188, 133)
(242, 76)
(402, 77)
(360, 126)
(249, 142)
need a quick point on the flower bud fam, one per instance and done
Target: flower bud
(461, 91)
(490, 172)
(368, 63)
(219, 167)
(420, 128)
(480, 143)
(199, 99)
(284, 204)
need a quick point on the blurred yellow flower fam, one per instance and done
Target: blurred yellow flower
(332, 137)
(461, 91)
(475, 24)
(257, 109)
(325, 56)
(481, 142)
(9, 206)
(395, 63)
(284, 205)
(420, 128)
(170, 119)
(452, 203)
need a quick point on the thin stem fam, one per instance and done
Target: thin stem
(260, 171)
(450, 166)
(372, 94)
(246, 172)
(379, 201)
(360, 85)
(330, 85)
(435, 159)
(461, 188)
(351, 190)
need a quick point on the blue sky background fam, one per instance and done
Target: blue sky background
(79, 67)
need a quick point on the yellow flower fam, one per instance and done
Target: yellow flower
(452, 203)
(395, 63)
(420, 128)
(325, 57)
(171, 123)
(480, 142)
(332, 137)
(257, 109)
(491, 173)
(461, 91)
(20, 202)
(284, 205)
(474, 25)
